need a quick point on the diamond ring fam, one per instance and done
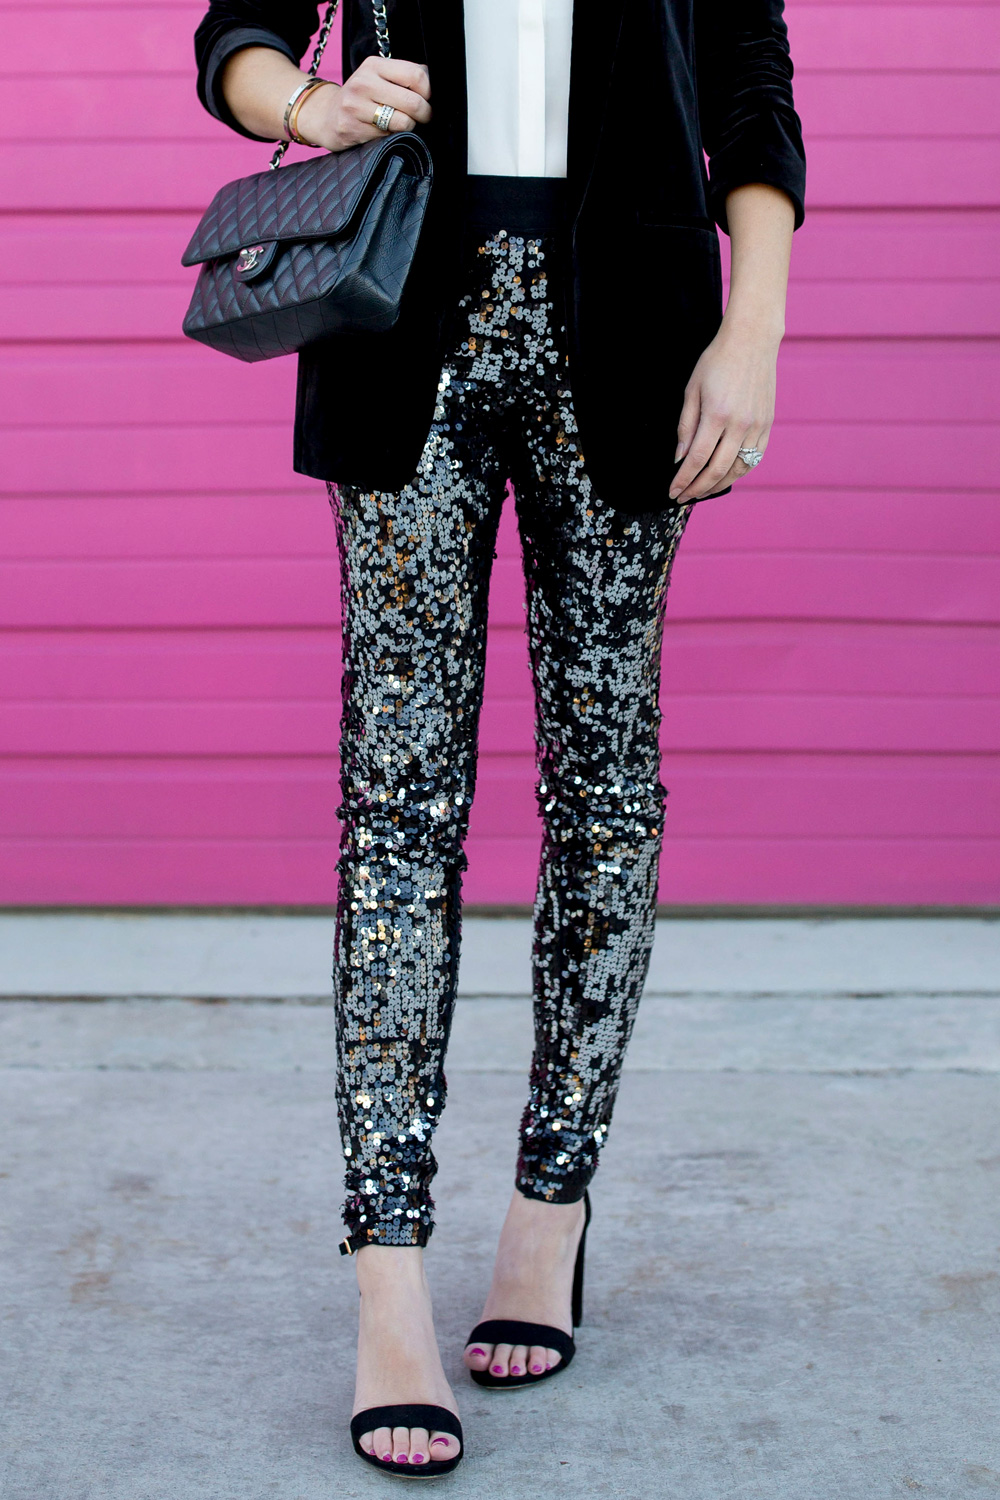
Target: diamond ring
(751, 457)
(382, 116)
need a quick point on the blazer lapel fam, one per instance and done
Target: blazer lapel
(443, 25)
(597, 26)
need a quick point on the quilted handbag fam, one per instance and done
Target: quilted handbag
(322, 247)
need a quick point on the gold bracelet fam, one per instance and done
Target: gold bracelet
(295, 104)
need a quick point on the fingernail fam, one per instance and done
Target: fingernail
(679, 454)
(674, 493)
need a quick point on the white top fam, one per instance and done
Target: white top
(517, 67)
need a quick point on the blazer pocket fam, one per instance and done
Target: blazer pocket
(682, 264)
(677, 221)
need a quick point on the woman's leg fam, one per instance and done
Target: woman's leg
(414, 575)
(597, 585)
(414, 579)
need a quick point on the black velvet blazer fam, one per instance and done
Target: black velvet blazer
(655, 85)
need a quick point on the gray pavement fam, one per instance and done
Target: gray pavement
(794, 1275)
(209, 955)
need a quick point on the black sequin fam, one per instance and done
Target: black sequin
(415, 570)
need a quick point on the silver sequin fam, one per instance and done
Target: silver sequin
(415, 570)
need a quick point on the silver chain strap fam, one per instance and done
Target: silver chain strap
(381, 37)
(381, 28)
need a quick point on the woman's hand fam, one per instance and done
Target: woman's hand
(257, 83)
(340, 117)
(728, 405)
(729, 401)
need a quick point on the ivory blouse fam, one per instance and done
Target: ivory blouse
(517, 72)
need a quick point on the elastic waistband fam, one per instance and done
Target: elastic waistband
(521, 205)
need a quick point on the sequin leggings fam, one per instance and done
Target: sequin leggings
(415, 570)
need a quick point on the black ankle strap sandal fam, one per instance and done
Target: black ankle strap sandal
(513, 1331)
(432, 1418)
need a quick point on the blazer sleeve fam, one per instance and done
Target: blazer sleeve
(750, 130)
(230, 25)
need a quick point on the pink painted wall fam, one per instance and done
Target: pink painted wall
(168, 600)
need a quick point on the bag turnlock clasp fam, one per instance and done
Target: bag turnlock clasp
(254, 260)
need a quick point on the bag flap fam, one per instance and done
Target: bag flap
(309, 200)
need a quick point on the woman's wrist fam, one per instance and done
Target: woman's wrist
(761, 219)
(316, 123)
(257, 84)
(760, 325)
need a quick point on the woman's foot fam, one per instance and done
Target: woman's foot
(398, 1359)
(532, 1281)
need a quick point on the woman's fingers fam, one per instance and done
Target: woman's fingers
(391, 80)
(404, 101)
(403, 86)
(406, 75)
(688, 424)
(738, 468)
(711, 475)
(736, 472)
(703, 445)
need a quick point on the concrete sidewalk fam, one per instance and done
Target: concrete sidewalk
(212, 956)
(794, 1275)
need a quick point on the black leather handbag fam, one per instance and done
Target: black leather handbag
(325, 246)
